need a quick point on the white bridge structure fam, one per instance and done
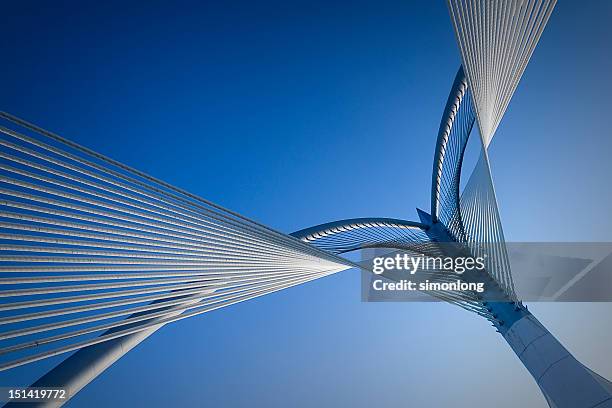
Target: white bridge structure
(97, 256)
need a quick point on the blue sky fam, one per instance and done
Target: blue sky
(297, 113)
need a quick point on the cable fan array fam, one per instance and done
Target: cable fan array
(496, 39)
(89, 244)
(483, 228)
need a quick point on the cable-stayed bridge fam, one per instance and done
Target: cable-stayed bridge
(96, 256)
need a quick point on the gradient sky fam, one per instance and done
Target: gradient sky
(297, 113)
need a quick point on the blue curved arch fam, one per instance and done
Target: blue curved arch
(351, 234)
(455, 127)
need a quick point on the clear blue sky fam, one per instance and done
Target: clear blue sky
(297, 113)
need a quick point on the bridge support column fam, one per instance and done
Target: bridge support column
(86, 364)
(565, 382)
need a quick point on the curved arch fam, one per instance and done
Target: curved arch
(356, 233)
(455, 128)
